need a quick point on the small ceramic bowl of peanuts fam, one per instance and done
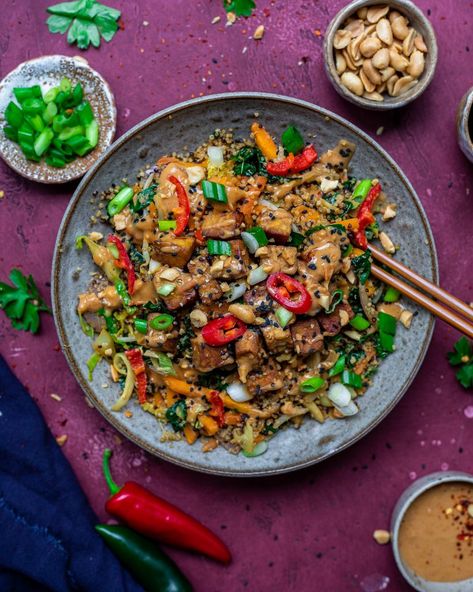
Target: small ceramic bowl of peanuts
(380, 55)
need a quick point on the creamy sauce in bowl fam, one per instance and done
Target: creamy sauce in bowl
(436, 533)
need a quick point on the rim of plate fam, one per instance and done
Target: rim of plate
(82, 187)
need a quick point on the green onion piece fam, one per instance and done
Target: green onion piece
(337, 297)
(65, 85)
(161, 322)
(86, 328)
(120, 201)
(166, 289)
(11, 133)
(77, 95)
(55, 161)
(166, 225)
(92, 133)
(86, 115)
(259, 234)
(29, 152)
(359, 323)
(283, 316)
(26, 133)
(348, 251)
(338, 367)
(141, 325)
(36, 122)
(349, 378)
(292, 140)
(72, 120)
(164, 363)
(218, 247)
(215, 191)
(79, 144)
(33, 106)
(311, 384)
(296, 239)
(92, 363)
(49, 113)
(70, 132)
(386, 323)
(61, 97)
(258, 450)
(386, 341)
(43, 141)
(21, 94)
(122, 292)
(361, 190)
(59, 122)
(51, 95)
(13, 115)
(392, 295)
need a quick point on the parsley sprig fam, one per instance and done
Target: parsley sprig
(239, 7)
(85, 22)
(22, 302)
(462, 355)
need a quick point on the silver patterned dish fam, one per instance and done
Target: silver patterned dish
(187, 125)
(48, 71)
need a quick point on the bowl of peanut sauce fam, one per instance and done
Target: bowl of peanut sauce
(432, 533)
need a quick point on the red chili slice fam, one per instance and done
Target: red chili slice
(217, 410)
(289, 293)
(124, 261)
(365, 216)
(304, 160)
(183, 213)
(138, 366)
(223, 330)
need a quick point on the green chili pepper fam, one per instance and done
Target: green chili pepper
(338, 367)
(359, 323)
(161, 322)
(120, 201)
(151, 568)
(312, 384)
(141, 325)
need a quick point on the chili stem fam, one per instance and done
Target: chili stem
(112, 486)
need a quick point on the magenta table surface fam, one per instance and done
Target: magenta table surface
(310, 530)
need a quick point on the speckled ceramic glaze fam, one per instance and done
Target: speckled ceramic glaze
(48, 71)
(189, 124)
(464, 114)
(407, 498)
(418, 20)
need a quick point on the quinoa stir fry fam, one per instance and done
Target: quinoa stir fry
(234, 296)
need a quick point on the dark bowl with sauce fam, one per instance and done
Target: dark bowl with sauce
(427, 497)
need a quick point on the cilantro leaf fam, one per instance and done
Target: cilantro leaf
(462, 352)
(465, 376)
(239, 7)
(85, 21)
(22, 302)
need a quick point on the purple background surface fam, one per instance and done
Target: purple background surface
(310, 530)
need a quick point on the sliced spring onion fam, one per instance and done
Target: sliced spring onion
(254, 238)
(43, 141)
(339, 395)
(284, 316)
(11, 133)
(33, 106)
(349, 378)
(359, 323)
(141, 325)
(65, 85)
(361, 191)
(387, 342)
(51, 95)
(166, 289)
(215, 191)
(312, 384)
(292, 140)
(161, 322)
(161, 362)
(85, 113)
(218, 247)
(257, 275)
(387, 323)
(13, 115)
(238, 392)
(296, 239)
(120, 201)
(237, 291)
(392, 295)
(92, 363)
(127, 339)
(338, 367)
(258, 450)
(166, 225)
(215, 154)
(21, 93)
(92, 133)
(86, 328)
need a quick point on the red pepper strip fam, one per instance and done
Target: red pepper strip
(184, 210)
(223, 330)
(199, 237)
(293, 164)
(304, 160)
(217, 410)
(283, 288)
(138, 366)
(365, 217)
(124, 262)
(158, 519)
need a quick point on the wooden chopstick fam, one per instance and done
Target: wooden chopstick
(432, 306)
(451, 301)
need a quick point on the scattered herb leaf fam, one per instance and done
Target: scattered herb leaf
(362, 266)
(240, 7)
(177, 415)
(22, 302)
(462, 355)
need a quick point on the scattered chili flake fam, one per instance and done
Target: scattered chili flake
(61, 440)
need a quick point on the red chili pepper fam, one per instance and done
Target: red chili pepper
(223, 330)
(289, 293)
(184, 210)
(124, 262)
(138, 366)
(293, 164)
(199, 237)
(217, 410)
(158, 519)
(365, 217)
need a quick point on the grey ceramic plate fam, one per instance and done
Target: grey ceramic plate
(188, 124)
(47, 71)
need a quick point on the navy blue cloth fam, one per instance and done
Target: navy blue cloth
(47, 537)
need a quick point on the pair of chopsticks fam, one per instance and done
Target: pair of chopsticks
(447, 313)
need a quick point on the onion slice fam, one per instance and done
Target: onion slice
(238, 392)
(257, 276)
(215, 154)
